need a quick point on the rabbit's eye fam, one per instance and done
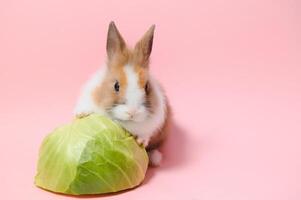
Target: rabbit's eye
(146, 88)
(116, 86)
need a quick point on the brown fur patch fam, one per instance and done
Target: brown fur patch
(105, 95)
(142, 75)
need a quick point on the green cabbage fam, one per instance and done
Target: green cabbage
(91, 155)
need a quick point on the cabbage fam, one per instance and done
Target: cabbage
(91, 155)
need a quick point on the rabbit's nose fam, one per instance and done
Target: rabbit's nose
(131, 112)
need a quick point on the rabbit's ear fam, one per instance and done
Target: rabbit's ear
(115, 42)
(143, 47)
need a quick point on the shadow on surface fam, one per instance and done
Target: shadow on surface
(174, 148)
(174, 151)
(83, 196)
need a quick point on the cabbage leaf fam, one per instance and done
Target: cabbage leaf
(91, 155)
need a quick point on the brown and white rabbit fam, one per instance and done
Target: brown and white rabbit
(124, 91)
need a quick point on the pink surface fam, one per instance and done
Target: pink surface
(230, 68)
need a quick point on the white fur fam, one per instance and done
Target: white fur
(155, 157)
(140, 122)
(134, 94)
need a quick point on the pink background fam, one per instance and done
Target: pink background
(231, 69)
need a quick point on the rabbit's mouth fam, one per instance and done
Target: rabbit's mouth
(126, 113)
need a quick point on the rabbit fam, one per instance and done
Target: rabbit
(124, 90)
